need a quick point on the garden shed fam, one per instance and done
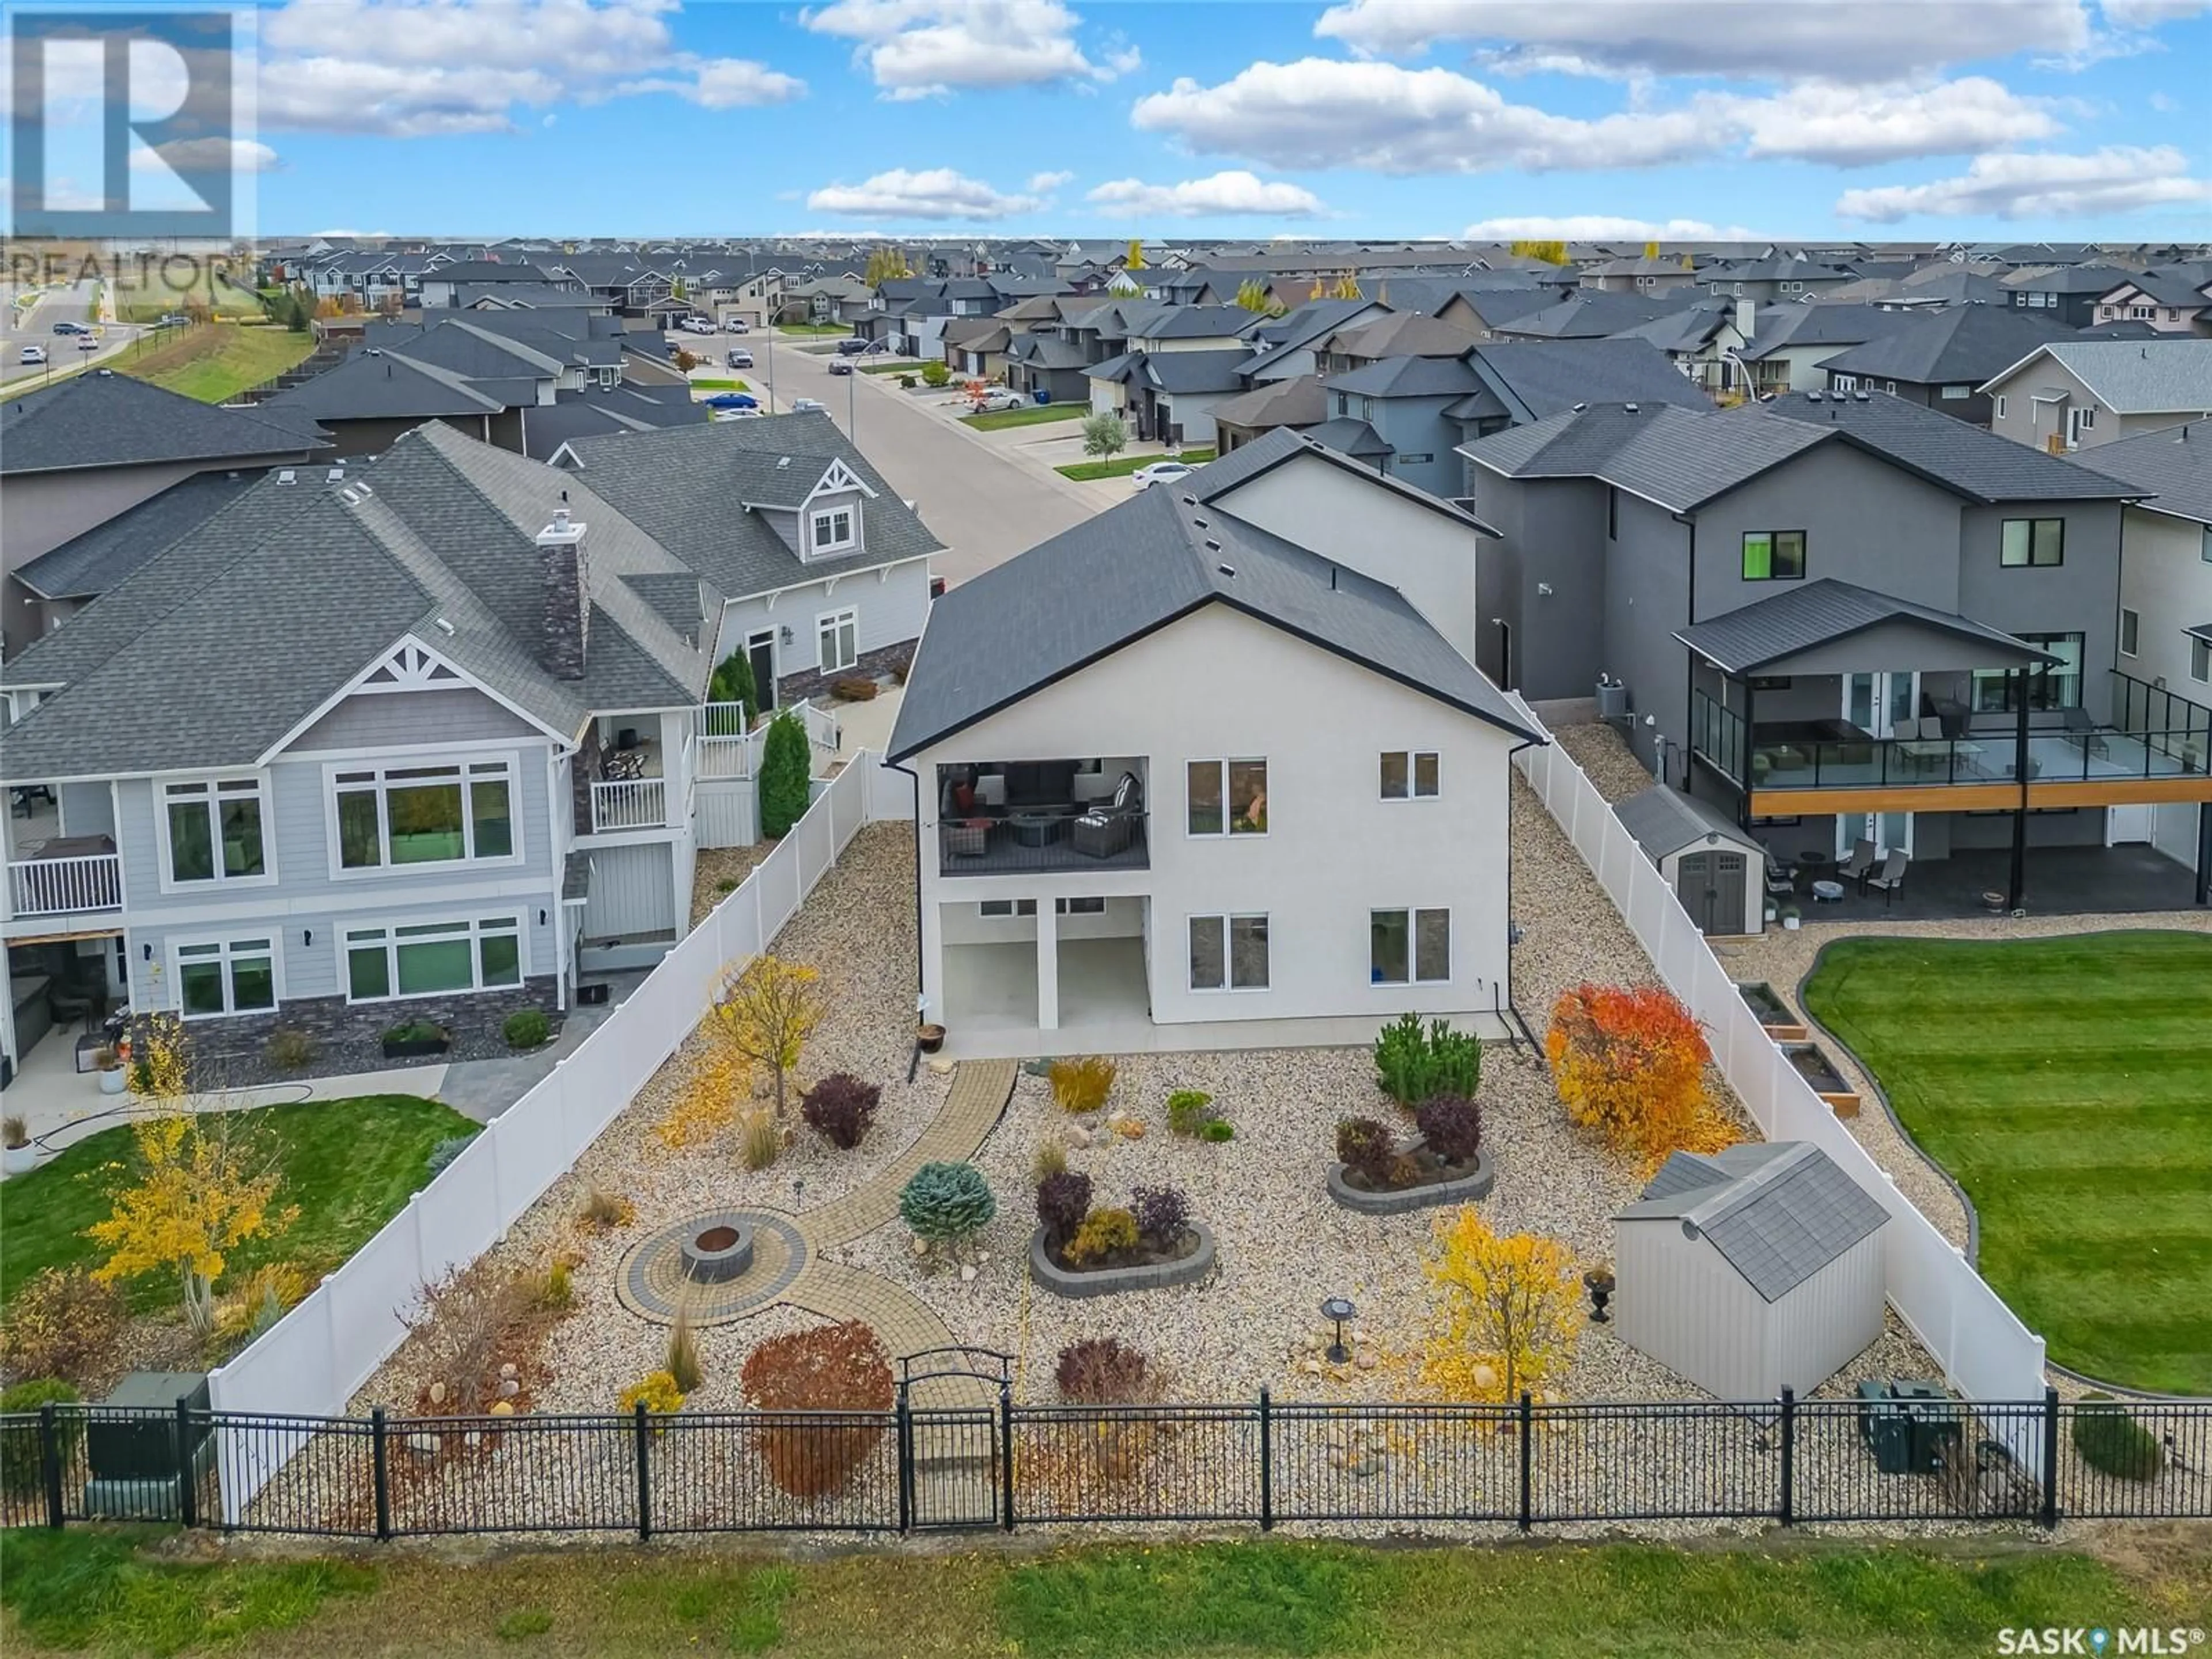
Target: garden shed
(1751, 1270)
(1717, 868)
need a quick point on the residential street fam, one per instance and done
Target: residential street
(63, 304)
(985, 503)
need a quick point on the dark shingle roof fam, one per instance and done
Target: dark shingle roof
(382, 386)
(1408, 377)
(87, 565)
(684, 487)
(1969, 460)
(1217, 479)
(1777, 1212)
(1766, 631)
(1535, 379)
(1963, 344)
(1664, 821)
(1298, 401)
(106, 419)
(2174, 464)
(1192, 372)
(1348, 436)
(1091, 590)
(2169, 376)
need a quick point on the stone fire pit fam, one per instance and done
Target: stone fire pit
(721, 1249)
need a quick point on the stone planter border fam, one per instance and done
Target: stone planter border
(1115, 1281)
(1465, 1190)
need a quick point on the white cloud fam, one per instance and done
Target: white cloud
(1222, 195)
(1041, 182)
(925, 48)
(412, 68)
(726, 83)
(206, 155)
(1322, 113)
(1837, 39)
(937, 193)
(1326, 113)
(1602, 227)
(2118, 179)
(1852, 126)
(2148, 13)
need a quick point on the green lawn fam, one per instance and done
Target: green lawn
(217, 360)
(897, 366)
(118, 1591)
(348, 1164)
(1122, 465)
(2067, 1084)
(720, 386)
(813, 328)
(141, 301)
(1028, 415)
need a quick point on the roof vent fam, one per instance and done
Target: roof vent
(442, 626)
(107, 374)
(288, 477)
(1629, 408)
(334, 475)
(1200, 522)
(783, 460)
(1861, 397)
(1225, 570)
(1812, 396)
(1580, 407)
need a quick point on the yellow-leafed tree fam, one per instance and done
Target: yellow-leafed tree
(1347, 288)
(1629, 1062)
(202, 1185)
(1507, 1311)
(707, 1105)
(886, 264)
(765, 1014)
(1135, 261)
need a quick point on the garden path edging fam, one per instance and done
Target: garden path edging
(1476, 1184)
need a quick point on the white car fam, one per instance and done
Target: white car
(1160, 472)
(697, 326)
(1002, 397)
(31, 355)
(809, 406)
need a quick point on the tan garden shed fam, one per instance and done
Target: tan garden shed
(1751, 1270)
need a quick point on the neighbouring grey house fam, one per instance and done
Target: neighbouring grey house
(1943, 359)
(466, 754)
(76, 454)
(2077, 394)
(1751, 1270)
(781, 515)
(1840, 619)
(61, 582)
(1717, 867)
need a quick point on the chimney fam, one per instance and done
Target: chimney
(1747, 318)
(568, 604)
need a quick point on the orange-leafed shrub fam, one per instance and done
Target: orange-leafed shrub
(1629, 1062)
(836, 1370)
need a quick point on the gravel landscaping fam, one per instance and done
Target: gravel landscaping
(718, 872)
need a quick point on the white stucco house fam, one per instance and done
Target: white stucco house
(1187, 778)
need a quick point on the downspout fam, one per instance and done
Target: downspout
(2019, 879)
(553, 802)
(913, 1060)
(1510, 925)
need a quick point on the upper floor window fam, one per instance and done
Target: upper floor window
(2001, 405)
(2033, 541)
(1612, 514)
(1773, 556)
(1957, 391)
(834, 530)
(2130, 632)
(2205, 552)
(1227, 798)
(1410, 774)
(837, 633)
(2056, 686)
(213, 830)
(227, 976)
(408, 815)
(2200, 659)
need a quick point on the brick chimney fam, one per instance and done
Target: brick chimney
(568, 604)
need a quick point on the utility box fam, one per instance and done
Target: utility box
(132, 1450)
(1612, 700)
(1881, 1427)
(1904, 1423)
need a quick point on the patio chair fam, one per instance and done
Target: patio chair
(1108, 828)
(1859, 865)
(1781, 880)
(1892, 877)
(2082, 732)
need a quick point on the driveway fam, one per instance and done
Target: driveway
(986, 502)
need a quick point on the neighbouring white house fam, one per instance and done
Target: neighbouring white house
(432, 738)
(1183, 781)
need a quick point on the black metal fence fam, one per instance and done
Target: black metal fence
(996, 1464)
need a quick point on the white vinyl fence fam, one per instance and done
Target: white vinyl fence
(312, 1360)
(1986, 1353)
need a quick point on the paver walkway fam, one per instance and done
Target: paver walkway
(972, 1106)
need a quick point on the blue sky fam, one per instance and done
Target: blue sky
(1981, 119)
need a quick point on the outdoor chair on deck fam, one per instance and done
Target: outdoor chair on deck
(1108, 828)
(1891, 878)
(1781, 880)
(1859, 865)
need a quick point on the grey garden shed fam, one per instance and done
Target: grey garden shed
(1717, 868)
(1751, 1270)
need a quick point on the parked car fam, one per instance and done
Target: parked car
(841, 365)
(1160, 472)
(1002, 397)
(732, 400)
(852, 348)
(32, 354)
(739, 326)
(739, 359)
(809, 406)
(698, 325)
(86, 342)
